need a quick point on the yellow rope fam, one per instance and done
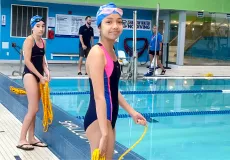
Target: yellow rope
(134, 145)
(209, 74)
(96, 152)
(47, 105)
(17, 90)
(96, 155)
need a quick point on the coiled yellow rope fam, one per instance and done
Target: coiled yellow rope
(47, 105)
(96, 152)
(96, 155)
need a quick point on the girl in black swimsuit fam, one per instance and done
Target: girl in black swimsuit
(104, 73)
(35, 66)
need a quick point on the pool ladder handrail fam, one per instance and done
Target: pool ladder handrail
(20, 51)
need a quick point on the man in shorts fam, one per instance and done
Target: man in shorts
(86, 35)
(155, 46)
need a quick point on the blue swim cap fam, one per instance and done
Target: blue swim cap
(104, 12)
(35, 19)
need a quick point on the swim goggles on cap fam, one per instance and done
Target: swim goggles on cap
(110, 11)
(39, 19)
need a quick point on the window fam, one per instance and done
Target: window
(20, 21)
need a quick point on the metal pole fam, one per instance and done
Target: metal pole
(132, 60)
(167, 56)
(19, 72)
(20, 68)
(156, 41)
(135, 44)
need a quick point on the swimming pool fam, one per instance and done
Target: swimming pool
(169, 137)
(179, 137)
(158, 84)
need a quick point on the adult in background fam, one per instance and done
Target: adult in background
(86, 35)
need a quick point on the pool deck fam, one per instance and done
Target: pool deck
(70, 70)
(9, 136)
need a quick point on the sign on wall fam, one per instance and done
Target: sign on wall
(200, 14)
(51, 22)
(3, 20)
(68, 25)
(228, 16)
(144, 25)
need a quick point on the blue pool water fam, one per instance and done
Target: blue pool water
(177, 138)
(159, 84)
(168, 138)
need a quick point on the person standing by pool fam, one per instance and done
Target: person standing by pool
(155, 48)
(104, 73)
(86, 35)
(35, 67)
